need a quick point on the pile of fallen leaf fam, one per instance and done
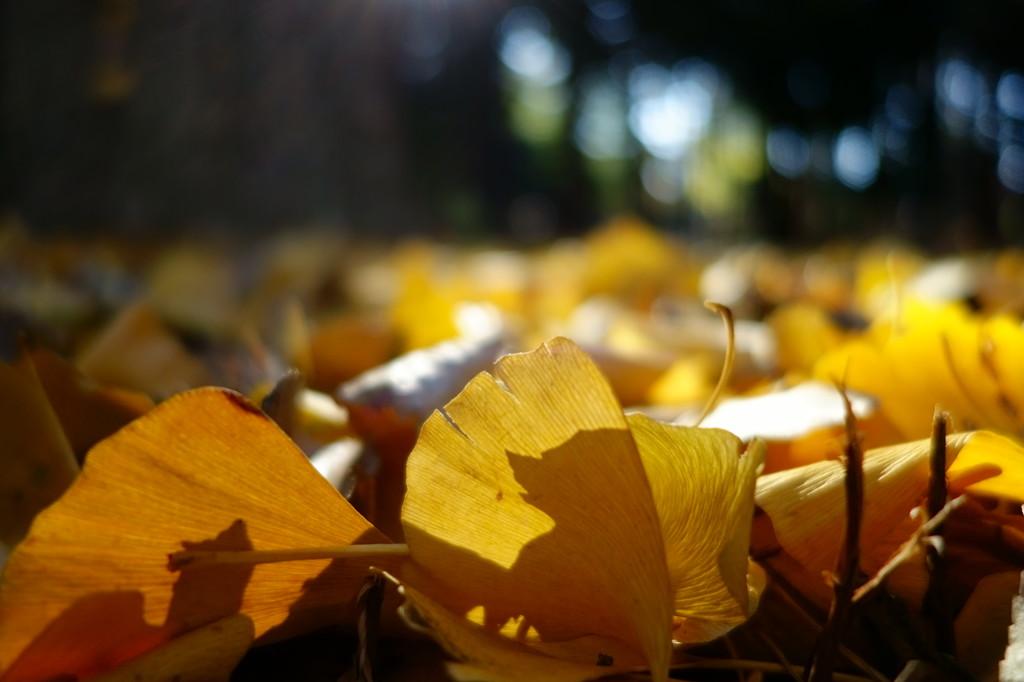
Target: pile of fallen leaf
(307, 458)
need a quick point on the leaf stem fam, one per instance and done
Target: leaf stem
(727, 364)
(179, 560)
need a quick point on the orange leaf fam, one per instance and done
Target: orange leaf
(204, 470)
(97, 632)
(206, 654)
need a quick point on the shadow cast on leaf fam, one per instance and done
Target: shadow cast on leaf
(525, 599)
(329, 598)
(105, 629)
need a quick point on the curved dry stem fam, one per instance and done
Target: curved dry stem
(730, 358)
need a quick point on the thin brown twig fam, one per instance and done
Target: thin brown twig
(909, 548)
(848, 564)
(937, 481)
(936, 602)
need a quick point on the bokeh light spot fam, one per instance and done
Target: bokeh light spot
(1011, 168)
(960, 91)
(668, 115)
(856, 158)
(789, 152)
(903, 106)
(600, 131)
(527, 48)
(1010, 94)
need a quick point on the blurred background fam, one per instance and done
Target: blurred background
(794, 122)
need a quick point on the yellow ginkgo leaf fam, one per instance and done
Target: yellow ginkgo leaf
(693, 470)
(111, 652)
(387, 404)
(1002, 337)
(529, 516)
(807, 507)
(485, 658)
(629, 258)
(204, 470)
(936, 355)
(987, 450)
(803, 332)
(442, 294)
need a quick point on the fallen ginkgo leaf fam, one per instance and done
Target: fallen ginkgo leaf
(806, 505)
(205, 470)
(945, 355)
(549, 533)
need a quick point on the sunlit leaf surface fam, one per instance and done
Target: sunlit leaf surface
(537, 511)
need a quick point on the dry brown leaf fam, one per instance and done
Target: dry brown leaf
(35, 457)
(136, 351)
(88, 411)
